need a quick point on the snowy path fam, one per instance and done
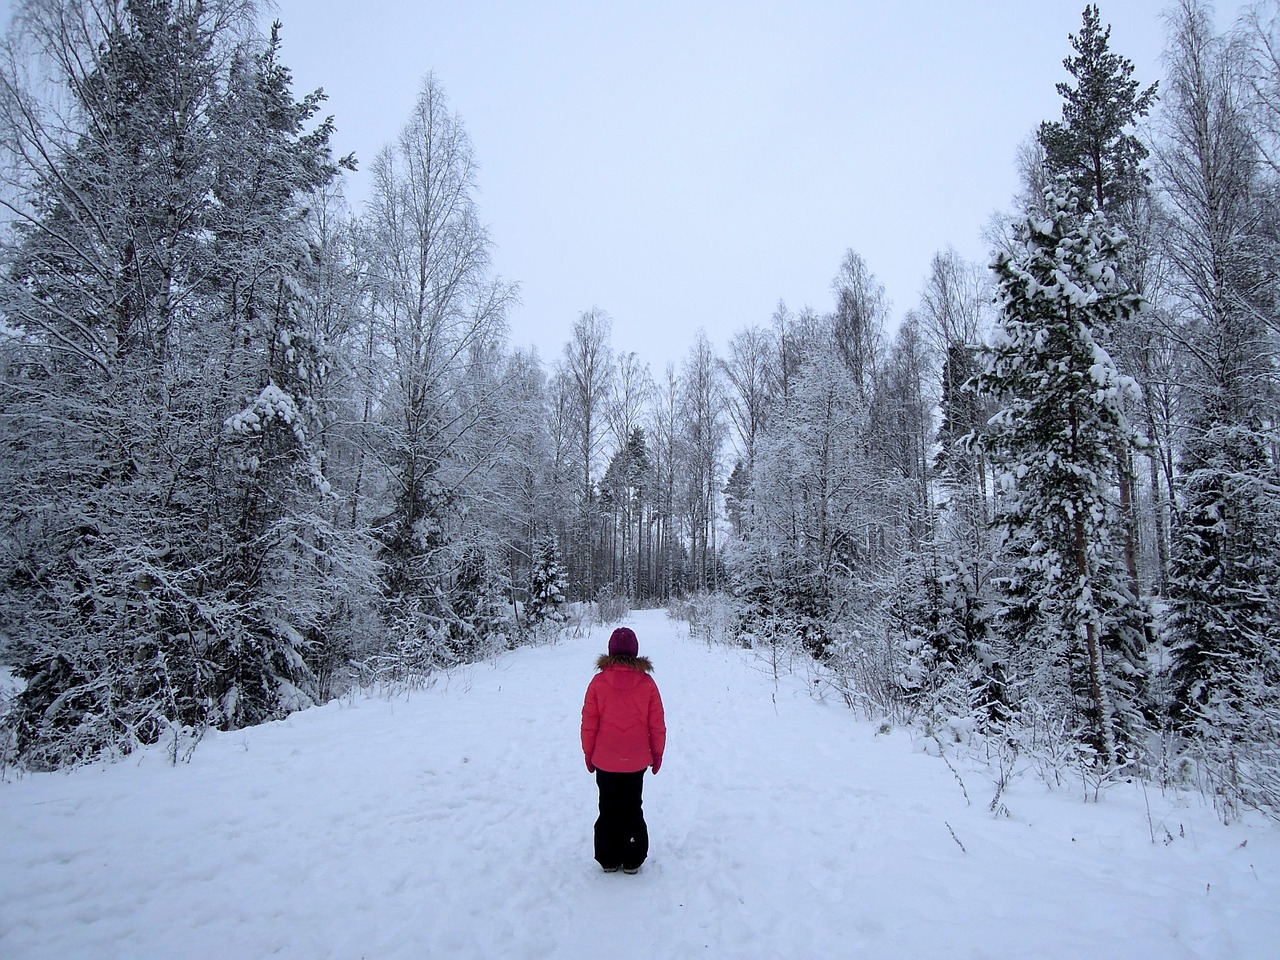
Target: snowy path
(456, 824)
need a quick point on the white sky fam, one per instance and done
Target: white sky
(687, 164)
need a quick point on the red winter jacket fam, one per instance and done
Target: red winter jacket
(623, 726)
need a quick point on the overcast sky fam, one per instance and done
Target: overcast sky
(687, 164)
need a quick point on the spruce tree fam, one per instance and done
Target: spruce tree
(163, 468)
(547, 584)
(1224, 603)
(736, 491)
(266, 166)
(959, 408)
(479, 623)
(102, 275)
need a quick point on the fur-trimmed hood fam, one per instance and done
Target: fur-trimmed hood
(643, 664)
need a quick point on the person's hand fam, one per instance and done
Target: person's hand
(591, 768)
(657, 765)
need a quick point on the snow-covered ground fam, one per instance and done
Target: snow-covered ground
(456, 823)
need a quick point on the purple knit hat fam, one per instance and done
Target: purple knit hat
(623, 643)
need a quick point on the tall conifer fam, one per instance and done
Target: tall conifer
(1059, 424)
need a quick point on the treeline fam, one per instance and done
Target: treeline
(1047, 509)
(253, 448)
(257, 447)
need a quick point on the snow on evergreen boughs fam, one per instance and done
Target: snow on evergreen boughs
(1061, 421)
(168, 567)
(1224, 611)
(481, 620)
(1225, 589)
(271, 404)
(546, 605)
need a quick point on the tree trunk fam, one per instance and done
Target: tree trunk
(1128, 517)
(1161, 509)
(1104, 736)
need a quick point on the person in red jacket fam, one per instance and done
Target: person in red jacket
(623, 731)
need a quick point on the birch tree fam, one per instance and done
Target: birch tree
(587, 365)
(749, 370)
(435, 302)
(1225, 582)
(703, 415)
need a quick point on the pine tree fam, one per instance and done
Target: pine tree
(1059, 424)
(1094, 146)
(1096, 149)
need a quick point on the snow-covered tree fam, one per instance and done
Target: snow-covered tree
(626, 491)
(809, 520)
(702, 396)
(737, 490)
(946, 656)
(157, 433)
(546, 585)
(905, 402)
(524, 492)
(668, 449)
(1054, 438)
(627, 487)
(858, 321)
(1224, 591)
(435, 306)
(748, 370)
(271, 523)
(586, 367)
(481, 619)
(1094, 146)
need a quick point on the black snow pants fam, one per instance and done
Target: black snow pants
(622, 839)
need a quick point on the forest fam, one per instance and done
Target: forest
(259, 448)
